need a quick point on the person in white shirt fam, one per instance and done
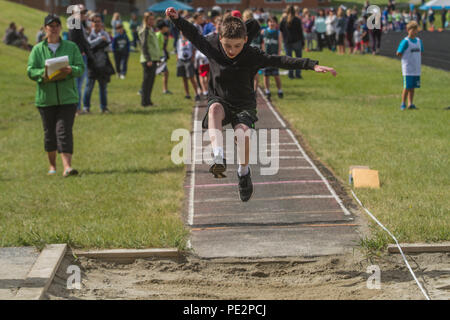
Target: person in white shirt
(330, 32)
(410, 50)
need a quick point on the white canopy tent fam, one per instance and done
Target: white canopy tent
(436, 5)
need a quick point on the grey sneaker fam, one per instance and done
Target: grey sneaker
(218, 167)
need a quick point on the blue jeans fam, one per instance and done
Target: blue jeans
(121, 63)
(88, 92)
(80, 81)
(295, 47)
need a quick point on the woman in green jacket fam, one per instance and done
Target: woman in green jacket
(56, 97)
(150, 56)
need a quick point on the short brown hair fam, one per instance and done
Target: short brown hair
(412, 25)
(233, 28)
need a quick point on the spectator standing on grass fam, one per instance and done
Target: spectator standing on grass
(99, 67)
(134, 24)
(410, 50)
(256, 42)
(308, 24)
(431, 19)
(350, 28)
(185, 65)
(341, 27)
(272, 45)
(357, 39)
(292, 31)
(331, 22)
(56, 98)
(150, 56)
(320, 27)
(115, 21)
(443, 18)
(375, 34)
(79, 36)
(121, 49)
(163, 37)
(365, 37)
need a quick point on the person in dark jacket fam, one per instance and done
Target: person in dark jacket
(79, 36)
(56, 95)
(99, 67)
(121, 49)
(292, 30)
(350, 29)
(231, 97)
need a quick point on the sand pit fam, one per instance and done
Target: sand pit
(332, 277)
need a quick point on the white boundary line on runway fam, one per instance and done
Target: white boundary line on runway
(192, 190)
(283, 124)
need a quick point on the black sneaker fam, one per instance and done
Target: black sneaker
(245, 186)
(280, 95)
(218, 168)
(197, 98)
(268, 94)
(187, 97)
(145, 105)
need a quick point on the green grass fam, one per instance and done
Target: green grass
(129, 194)
(355, 119)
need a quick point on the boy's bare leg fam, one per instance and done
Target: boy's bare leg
(256, 82)
(165, 80)
(404, 95)
(186, 86)
(410, 96)
(266, 83)
(242, 139)
(194, 84)
(216, 114)
(278, 82)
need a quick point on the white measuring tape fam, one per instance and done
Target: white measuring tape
(401, 251)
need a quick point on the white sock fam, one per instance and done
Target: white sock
(243, 170)
(218, 152)
(205, 93)
(267, 91)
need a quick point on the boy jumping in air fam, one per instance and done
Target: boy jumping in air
(410, 49)
(231, 98)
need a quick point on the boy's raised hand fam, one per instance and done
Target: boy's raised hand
(324, 69)
(172, 13)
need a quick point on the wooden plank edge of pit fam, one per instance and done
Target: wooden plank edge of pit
(42, 273)
(420, 247)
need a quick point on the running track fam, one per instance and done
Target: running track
(293, 213)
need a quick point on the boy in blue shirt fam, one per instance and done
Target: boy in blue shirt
(410, 50)
(272, 41)
(121, 49)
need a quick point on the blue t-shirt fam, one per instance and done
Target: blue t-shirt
(208, 28)
(404, 45)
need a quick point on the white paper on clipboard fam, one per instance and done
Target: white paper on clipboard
(55, 64)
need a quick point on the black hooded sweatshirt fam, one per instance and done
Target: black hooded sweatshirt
(231, 80)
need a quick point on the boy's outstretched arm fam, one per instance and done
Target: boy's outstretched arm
(190, 32)
(285, 62)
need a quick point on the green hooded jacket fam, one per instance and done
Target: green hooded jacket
(56, 92)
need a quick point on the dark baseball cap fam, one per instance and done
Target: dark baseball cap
(51, 18)
(161, 24)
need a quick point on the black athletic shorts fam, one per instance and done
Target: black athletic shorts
(232, 115)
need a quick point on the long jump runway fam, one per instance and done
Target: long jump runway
(295, 212)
